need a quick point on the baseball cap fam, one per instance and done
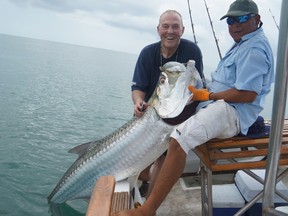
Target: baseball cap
(241, 7)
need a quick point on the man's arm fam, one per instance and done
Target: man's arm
(234, 96)
(230, 95)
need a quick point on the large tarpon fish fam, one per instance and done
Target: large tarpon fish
(136, 144)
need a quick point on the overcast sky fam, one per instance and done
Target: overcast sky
(126, 25)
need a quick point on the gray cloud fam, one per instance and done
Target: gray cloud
(114, 7)
(126, 14)
(134, 22)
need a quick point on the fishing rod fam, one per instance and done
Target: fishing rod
(192, 25)
(216, 40)
(274, 19)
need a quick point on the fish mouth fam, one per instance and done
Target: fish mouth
(172, 94)
(171, 107)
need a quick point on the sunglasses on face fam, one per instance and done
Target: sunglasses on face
(239, 19)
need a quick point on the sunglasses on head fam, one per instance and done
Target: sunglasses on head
(239, 19)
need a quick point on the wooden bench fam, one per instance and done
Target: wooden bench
(237, 153)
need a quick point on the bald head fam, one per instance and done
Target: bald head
(170, 12)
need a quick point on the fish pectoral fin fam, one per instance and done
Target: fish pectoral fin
(133, 180)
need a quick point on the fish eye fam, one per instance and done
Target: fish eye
(162, 79)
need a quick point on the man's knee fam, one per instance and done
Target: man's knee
(175, 147)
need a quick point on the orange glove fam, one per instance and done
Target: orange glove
(199, 94)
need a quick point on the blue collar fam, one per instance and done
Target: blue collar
(250, 35)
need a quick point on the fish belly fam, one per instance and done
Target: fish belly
(124, 153)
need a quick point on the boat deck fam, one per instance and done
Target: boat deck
(186, 201)
(185, 196)
(181, 202)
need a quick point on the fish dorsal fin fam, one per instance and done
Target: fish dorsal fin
(80, 149)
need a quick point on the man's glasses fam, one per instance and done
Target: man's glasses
(239, 19)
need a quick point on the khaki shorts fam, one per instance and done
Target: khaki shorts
(217, 120)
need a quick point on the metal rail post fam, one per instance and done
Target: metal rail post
(278, 114)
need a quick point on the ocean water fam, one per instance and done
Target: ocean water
(55, 96)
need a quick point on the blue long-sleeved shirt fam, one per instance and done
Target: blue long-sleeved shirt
(248, 65)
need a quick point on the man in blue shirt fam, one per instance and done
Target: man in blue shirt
(233, 101)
